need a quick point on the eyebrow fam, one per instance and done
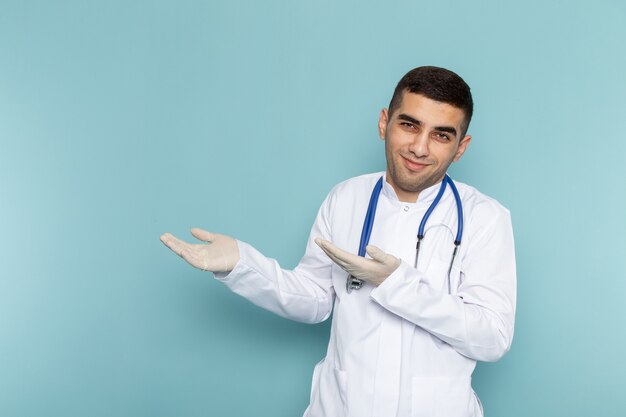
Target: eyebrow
(448, 129)
(407, 118)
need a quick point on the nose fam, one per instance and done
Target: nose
(419, 145)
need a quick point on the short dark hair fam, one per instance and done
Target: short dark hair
(437, 84)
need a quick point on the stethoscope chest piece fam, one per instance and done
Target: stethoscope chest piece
(353, 283)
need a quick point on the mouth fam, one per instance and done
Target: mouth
(414, 166)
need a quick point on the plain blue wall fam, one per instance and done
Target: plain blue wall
(122, 120)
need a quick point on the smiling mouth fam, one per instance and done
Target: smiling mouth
(414, 166)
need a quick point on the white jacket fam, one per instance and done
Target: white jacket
(407, 347)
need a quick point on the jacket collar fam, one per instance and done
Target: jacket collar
(425, 197)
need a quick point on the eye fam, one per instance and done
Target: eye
(408, 125)
(444, 137)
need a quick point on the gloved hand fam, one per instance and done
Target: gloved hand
(220, 255)
(374, 270)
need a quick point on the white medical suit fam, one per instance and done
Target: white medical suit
(406, 348)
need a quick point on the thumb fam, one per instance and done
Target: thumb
(376, 253)
(203, 235)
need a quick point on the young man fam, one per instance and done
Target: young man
(437, 291)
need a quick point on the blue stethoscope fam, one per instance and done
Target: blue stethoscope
(353, 283)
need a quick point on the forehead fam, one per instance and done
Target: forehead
(428, 111)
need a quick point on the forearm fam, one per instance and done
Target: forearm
(303, 294)
(481, 330)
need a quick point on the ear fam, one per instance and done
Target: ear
(462, 147)
(383, 119)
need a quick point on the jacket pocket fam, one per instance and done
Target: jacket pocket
(442, 397)
(328, 392)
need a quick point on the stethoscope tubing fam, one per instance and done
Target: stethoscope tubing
(368, 225)
(459, 211)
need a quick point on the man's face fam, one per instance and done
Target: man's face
(422, 138)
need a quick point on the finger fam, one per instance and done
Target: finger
(331, 255)
(345, 256)
(336, 260)
(188, 256)
(376, 253)
(193, 259)
(203, 235)
(351, 265)
(175, 244)
(323, 246)
(319, 242)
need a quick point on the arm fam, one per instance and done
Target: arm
(478, 320)
(304, 294)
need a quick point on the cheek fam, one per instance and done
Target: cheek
(444, 152)
(398, 140)
(450, 157)
(392, 152)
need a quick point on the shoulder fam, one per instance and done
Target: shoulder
(356, 185)
(480, 207)
(352, 192)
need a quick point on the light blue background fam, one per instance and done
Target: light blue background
(122, 120)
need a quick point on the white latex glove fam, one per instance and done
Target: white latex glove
(374, 270)
(221, 254)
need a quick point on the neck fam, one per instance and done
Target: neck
(403, 195)
(406, 197)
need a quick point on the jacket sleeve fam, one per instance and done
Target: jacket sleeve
(478, 320)
(303, 294)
